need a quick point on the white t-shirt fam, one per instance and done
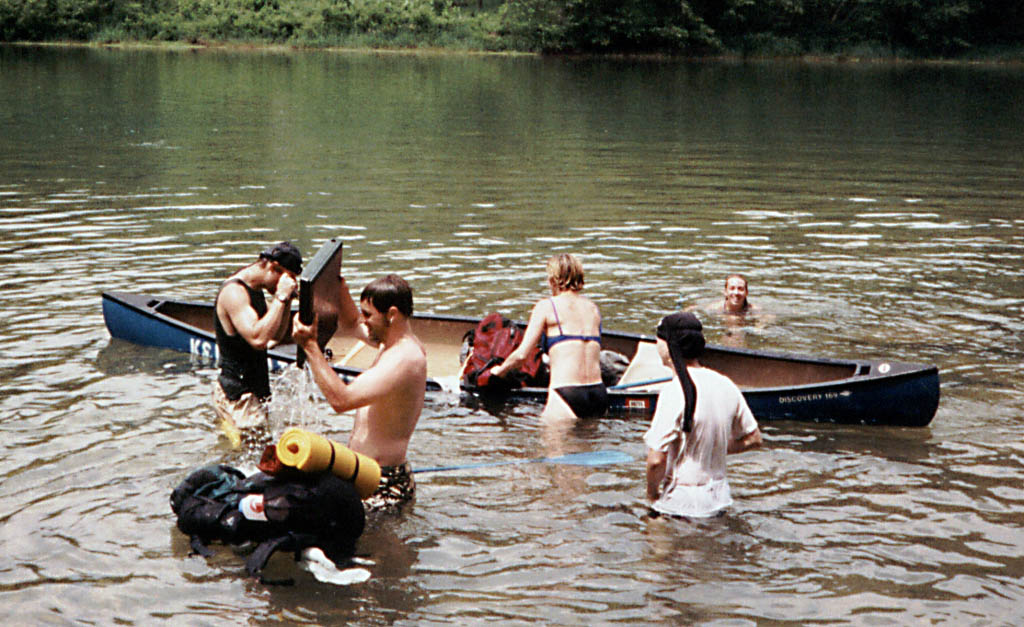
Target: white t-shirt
(695, 484)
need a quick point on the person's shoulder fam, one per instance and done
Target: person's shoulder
(587, 306)
(544, 308)
(715, 306)
(714, 377)
(544, 304)
(233, 291)
(575, 299)
(408, 350)
(671, 388)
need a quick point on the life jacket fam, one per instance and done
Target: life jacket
(494, 339)
(289, 512)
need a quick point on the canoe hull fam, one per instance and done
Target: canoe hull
(182, 326)
(872, 392)
(908, 400)
(134, 318)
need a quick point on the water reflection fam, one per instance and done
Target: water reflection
(874, 208)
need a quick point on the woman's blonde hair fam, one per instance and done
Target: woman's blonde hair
(565, 272)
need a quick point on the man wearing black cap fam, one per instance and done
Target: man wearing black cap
(246, 326)
(701, 416)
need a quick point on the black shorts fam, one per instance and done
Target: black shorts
(586, 401)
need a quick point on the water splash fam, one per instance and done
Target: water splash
(295, 402)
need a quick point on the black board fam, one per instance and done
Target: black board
(319, 292)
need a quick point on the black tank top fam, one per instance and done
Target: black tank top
(242, 367)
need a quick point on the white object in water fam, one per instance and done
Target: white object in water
(314, 561)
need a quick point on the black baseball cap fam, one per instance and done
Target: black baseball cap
(285, 254)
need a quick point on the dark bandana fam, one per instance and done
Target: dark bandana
(683, 333)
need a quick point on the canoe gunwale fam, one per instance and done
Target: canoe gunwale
(917, 382)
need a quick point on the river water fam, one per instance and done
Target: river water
(876, 209)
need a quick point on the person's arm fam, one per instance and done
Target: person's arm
(258, 332)
(285, 291)
(751, 440)
(371, 385)
(349, 316)
(659, 437)
(744, 424)
(656, 465)
(536, 326)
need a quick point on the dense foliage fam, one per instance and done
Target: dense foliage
(772, 27)
(917, 28)
(301, 22)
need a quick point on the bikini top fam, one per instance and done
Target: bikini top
(547, 341)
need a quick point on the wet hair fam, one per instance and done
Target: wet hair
(387, 292)
(684, 334)
(736, 275)
(566, 271)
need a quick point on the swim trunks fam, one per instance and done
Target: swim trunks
(396, 488)
(586, 401)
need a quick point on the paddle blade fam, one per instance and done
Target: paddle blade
(593, 458)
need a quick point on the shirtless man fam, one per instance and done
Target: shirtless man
(387, 396)
(245, 327)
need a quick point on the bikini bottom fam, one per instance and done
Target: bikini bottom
(586, 401)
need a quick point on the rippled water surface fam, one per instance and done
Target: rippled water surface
(876, 209)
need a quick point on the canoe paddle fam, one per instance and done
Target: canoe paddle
(594, 458)
(637, 384)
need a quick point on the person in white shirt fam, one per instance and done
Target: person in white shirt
(701, 416)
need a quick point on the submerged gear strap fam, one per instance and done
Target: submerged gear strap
(199, 547)
(258, 559)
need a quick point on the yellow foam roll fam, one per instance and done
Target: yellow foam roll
(311, 452)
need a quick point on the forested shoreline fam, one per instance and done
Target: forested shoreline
(915, 29)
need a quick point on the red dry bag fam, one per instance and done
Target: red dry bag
(494, 339)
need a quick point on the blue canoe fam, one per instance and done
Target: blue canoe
(777, 386)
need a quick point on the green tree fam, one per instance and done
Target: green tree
(608, 26)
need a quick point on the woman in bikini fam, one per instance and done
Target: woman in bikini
(568, 327)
